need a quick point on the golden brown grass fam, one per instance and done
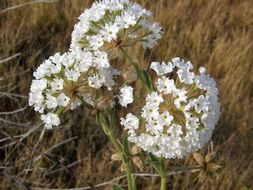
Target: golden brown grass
(216, 34)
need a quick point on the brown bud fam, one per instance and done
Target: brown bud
(199, 158)
(212, 167)
(210, 156)
(111, 49)
(130, 75)
(115, 157)
(135, 150)
(122, 168)
(138, 162)
(104, 102)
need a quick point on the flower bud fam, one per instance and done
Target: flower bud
(130, 75)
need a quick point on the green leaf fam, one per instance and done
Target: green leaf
(133, 182)
(124, 158)
(104, 123)
(113, 119)
(153, 157)
(117, 187)
(147, 80)
(154, 161)
(137, 70)
(97, 119)
(126, 146)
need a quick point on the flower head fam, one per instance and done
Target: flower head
(179, 116)
(66, 81)
(110, 24)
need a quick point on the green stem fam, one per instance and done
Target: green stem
(163, 183)
(129, 59)
(107, 122)
(130, 179)
(119, 149)
(163, 174)
(142, 74)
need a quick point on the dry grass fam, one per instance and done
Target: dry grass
(216, 34)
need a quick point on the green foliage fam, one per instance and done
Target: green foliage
(126, 146)
(117, 187)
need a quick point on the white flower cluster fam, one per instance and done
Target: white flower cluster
(180, 116)
(64, 81)
(118, 21)
(126, 96)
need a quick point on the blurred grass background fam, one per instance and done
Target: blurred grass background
(215, 34)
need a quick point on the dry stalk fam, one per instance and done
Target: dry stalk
(26, 4)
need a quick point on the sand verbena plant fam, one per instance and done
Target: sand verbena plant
(174, 117)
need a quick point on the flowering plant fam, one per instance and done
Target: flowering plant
(176, 114)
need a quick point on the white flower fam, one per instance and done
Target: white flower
(109, 32)
(42, 70)
(184, 73)
(165, 118)
(165, 85)
(51, 101)
(180, 96)
(38, 85)
(126, 96)
(179, 116)
(125, 20)
(101, 60)
(201, 104)
(149, 112)
(95, 81)
(36, 99)
(175, 130)
(156, 33)
(108, 75)
(56, 68)
(56, 58)
(50, 120)
(71, 74)
(63, 100)
(131, 122)
(68, 59)
(115, 5)
(96, 41)
(161, 69)
(185, 76)
(84, 61)
(154, 99)
(57, 84)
